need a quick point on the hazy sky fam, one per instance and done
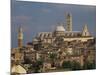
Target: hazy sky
(37, 17)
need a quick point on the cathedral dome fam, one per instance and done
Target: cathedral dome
(60, 28)
(34, 40)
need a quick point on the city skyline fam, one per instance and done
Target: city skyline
(37, 17)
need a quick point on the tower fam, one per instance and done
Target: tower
(20, 37)
(85, 31)
(69, 22)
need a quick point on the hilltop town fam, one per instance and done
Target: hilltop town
(60, 50)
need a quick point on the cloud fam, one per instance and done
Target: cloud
(24, 18)
(21, 19)
(46, 10)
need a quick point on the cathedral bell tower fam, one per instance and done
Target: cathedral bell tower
(20, 37)
(69, 22)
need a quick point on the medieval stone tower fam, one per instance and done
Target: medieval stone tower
(20, 37)
(69, 22)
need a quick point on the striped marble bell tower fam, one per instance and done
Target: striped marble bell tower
(69, 22)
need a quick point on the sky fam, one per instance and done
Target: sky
(35, 17)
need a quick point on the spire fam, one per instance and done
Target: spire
(85, 31)
(20, 29)
(20, 37)
(69, 22)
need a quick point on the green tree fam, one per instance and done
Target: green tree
(53, 58)
(76, 65)
(89, 65)
(35, 67)
(38, 66)
(66, 64)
